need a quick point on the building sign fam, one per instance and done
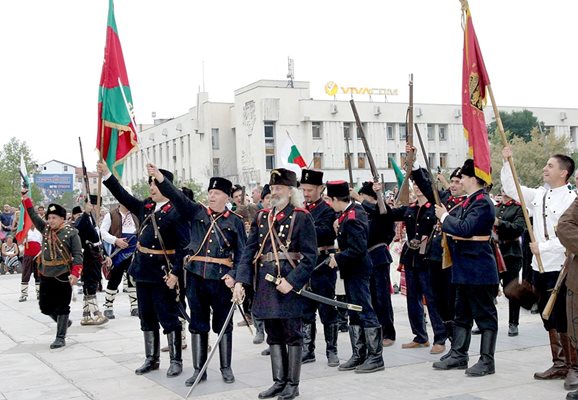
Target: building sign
(333, 89)
(53, 185)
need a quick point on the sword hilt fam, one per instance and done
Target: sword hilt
(272, 279)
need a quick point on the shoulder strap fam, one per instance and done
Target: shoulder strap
(544, 216)
(158, 235)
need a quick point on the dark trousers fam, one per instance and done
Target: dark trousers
(544, 283)
(204, 295)
(28, 269)
(380, 288)
(55, 295)
(322, 283)
(91, 275)
(443, 290)
(284, 331)
(157, 304)
(513, 265)
(418, 283)
(116, 274)
(357, 292)
(476, 302)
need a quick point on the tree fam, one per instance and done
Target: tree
(529, 157)
(10, 182)
(67, 200)
(518, 123)
(141, 189)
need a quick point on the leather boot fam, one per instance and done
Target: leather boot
(225, 352)
(152, 352)
(175, 353)
(457, 358)
(308, 354)
(358, 349)
(571, 380)
(279, 360)
(260, 331)
(485, 365)
(200, 346)
(374, 342)
(558, 370)
(61, 327)
(23, 292)
(291, 389)
(331, 332)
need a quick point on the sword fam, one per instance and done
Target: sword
(245, 318)
(315, 297)
(229, 316)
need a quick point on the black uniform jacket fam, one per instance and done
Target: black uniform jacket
(224, 239)
(323, 217)
(269, 303)
(512, 225)
(353, 260)
(173, 230)
(381, 233)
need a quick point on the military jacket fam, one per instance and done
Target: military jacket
(511, 227)
(353, 259)
(173, 230)
(89, 239)
(323, 217)
(213, 236)
(473, 261)
(61, 250)
(268, 302)
(381, 233)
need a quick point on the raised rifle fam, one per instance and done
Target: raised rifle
(374, 172)
(349, 160)
(404, 190)
(554, 295)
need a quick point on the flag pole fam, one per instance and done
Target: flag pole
(515, 176)
(130, 115)
(99, 192)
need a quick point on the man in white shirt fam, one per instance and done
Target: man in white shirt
(119, 228)
(547, 204)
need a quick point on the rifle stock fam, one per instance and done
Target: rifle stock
(554, 295)
(374, 172)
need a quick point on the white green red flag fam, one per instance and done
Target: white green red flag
(291, 157)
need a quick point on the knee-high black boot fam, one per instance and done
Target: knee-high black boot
(291, 389)
(225, 353)
(175, 340)
(199, 345)
(152, 352)
(279, 369)
(308, 354)
(331, 332)
(485, 365)
(61, 327)
(457, 358)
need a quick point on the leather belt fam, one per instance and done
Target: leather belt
(146, 250)
(55, 263)
(325, 250)
(473, 238)
(270, 257)
(376, 246)
(223, 261)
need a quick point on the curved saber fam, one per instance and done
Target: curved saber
(229, 316)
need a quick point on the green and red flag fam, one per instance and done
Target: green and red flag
(474, 82)
(399, 177)
(116, 137)
(291, 158)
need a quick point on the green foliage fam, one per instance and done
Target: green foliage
(529, 157)
(141, 189)
(518, 123)
(10, 181)
(67, 200)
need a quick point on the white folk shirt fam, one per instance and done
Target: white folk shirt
(554, 202)
(127, 226)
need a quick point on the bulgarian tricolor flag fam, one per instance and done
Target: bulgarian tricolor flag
(24, 221)
(474, 82)
(116, 138)
(291, 157)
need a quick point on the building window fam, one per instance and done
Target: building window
(316, 130)
(216, 171)
(443, 130)
(65, 168)
(270, 161)
(215, 138)
(573, 134)
(348, 158)
(390, 160)
(361, 160)
(347, 130)
(431, 132)
(443, 160)
(363, 126)
(270, 133)
(402, 132)
(318, 160)
(432, 160)
(389, 129)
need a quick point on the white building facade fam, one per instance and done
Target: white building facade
(242, 141)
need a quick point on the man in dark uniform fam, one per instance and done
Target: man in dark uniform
(282, 243)
(91, 264)
(217, 242)
(60, 267)
(381, 233)
(509, 226)
(323, 278)
(354, 263)
(156, 267)
(475, 274)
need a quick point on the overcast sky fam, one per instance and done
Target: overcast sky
(52, 55)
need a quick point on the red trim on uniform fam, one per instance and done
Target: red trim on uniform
(76, 270)
(480, 196)
(302, 210)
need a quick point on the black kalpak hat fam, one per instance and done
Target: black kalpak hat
(468, 168)
(168, 175)
(367, 188)
(311, 177)
(337, 189)
(282, 176)
(266, 190)
(235, 188)
(456, 174)
(76, 210)
(222, 184)
(56, 209)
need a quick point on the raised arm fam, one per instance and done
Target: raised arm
(133, 204)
